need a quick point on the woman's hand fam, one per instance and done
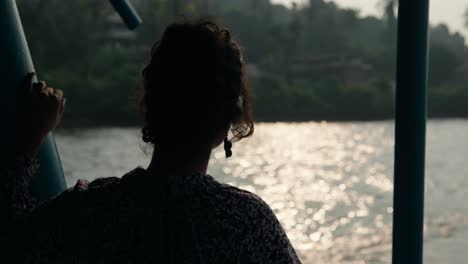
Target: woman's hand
(40, 109)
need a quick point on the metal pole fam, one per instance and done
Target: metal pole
(127, 13)
(410, 131)
(15, 64)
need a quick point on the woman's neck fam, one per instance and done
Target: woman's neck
(180, 161)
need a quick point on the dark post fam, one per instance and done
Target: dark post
(410, 131)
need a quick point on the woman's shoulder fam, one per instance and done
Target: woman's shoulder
(244, 197)
(84, 189)
(263, 239)
(86, 197)
(235, 200)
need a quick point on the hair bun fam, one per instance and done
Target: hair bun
(194, 85)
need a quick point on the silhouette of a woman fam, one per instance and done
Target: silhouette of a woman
(195, 96)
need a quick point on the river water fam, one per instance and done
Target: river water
(330, 184)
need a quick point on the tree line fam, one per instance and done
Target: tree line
(309, 62)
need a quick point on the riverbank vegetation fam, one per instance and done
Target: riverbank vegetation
(310, 62)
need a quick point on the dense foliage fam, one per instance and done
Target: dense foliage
(309, 62)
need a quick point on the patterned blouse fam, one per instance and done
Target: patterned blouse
(138, 219)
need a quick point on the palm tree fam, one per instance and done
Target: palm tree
(466, 17)
(388, 7)
(390, 34)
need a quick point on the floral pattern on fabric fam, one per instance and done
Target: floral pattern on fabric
(140, 218)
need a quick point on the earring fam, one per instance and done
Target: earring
(227, 147)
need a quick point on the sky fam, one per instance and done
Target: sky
(449, 12)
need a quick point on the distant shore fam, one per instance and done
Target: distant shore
(67, 124)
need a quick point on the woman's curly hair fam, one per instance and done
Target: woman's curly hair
(195, 85)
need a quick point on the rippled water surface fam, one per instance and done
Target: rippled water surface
(330, 184)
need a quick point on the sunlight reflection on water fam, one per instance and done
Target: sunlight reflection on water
(330, 184)
(312, 176)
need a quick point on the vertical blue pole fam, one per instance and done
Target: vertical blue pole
(410, 131)
(15, 64)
